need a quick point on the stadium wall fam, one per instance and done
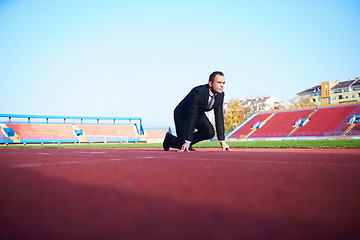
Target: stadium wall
(156, 135)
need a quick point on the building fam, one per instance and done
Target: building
(263, 103)
(334, 92)
(255, 105)
(252, 106)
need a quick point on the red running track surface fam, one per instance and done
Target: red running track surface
(153, 194)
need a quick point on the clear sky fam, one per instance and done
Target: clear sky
(140, 58)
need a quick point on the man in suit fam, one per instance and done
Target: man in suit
(191, 123)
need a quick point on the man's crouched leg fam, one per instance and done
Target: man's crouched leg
(171, 141)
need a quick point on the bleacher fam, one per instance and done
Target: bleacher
(355, 130)
(4, 138)
(327, 122)
(40, 132)
(281, 124)
(65, 129)
(310, 122)
(109, 133)
(247, 128)
(155, 135)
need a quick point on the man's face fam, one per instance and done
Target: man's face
(218, 85)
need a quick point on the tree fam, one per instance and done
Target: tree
(302, 101)
(235, 114)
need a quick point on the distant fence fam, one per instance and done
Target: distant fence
(107, 139)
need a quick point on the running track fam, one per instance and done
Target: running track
(153, 194)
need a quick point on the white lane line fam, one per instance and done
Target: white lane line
(43, 164)
(29, 165)
(306, 163)
(93, 152)
(279, 162)
(288, 162)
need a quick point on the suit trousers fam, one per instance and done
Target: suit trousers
(204, 129)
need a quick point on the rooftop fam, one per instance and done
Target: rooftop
(344, 84)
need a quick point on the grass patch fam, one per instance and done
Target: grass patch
(85, 145)
(342, 143)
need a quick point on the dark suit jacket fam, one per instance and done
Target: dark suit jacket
(195, 104)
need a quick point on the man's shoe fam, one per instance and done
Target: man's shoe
(166, 143)
(191, 148)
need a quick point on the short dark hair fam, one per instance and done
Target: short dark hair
(213, 75)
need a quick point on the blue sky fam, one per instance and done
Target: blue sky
(140, 58)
